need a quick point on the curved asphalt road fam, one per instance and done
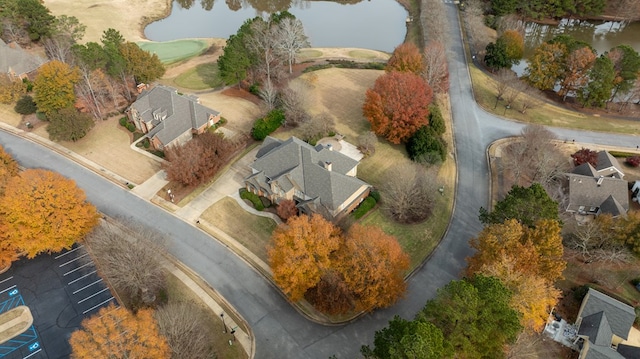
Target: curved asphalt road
(279, 330)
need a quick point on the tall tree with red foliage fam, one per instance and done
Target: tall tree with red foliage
(398, 105)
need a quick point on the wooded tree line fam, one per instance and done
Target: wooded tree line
(577, 70)
(538, 9)
(40, 212)
(362, 269)
(93, 78)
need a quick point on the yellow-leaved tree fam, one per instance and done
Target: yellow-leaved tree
(300, 253)
(54, 86)
(118, 334)
(42, 211)
(526, 260)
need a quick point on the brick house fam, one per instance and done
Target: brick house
(169, 118)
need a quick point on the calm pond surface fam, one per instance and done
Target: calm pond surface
(376, 24)
(602, 35)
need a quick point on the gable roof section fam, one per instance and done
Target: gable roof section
(585, 191)
(603, 352)
(295, 163)
(15, 59)
(170, 113)
(585, 169)
(596, 327)
(628, 351)
(618, 315)
(607, 165)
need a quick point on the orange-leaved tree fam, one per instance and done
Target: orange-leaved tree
(373, 265)
(405, 58)
(117, 333)
(300, 253)
(397, 105)
(514, 42)
(42, 211)
(576, 73)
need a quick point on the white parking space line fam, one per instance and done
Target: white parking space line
(73, 270)
(87, 286)
(4, 280)
(93, 295)
(96, 306)
(32, 354)
(73, 260)
(13, 286)
(71, 251)
(83, 277)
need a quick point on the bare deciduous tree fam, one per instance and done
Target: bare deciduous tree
(408, 192)
(516, 87)
(535, 157)
(503, 79)
(295, 101)
(595, 240)
(129, 255)
(436, 68)
(291, 38)
(476, 29)
(187, 334)
(269, 95)
(317, 127)
(533, 98)
(263, 42)
(367, 143)
(434, 17)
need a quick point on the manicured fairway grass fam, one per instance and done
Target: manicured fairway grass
(174, 51)
(201, 77)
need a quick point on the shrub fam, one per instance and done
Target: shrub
(131, 127)
(426, 146)
(580, 292)
(287, 209)
(633, 161)
(253, 198)
(364, 207)
(635, 281)
(25, 105)
(255, 89)
(622, 154)
(435, 120)
(123, 121)
(375, 195)
(41, 116)
(264, 126)
(29, 84)
(585, 155)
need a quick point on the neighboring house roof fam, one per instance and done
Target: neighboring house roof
(170, 113)
(628, 351)
(609, 194)
(601, 317)
(318, 172)
(608, 166)
(14, 60)
(585, 169)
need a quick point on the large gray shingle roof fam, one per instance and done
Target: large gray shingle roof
(295, 162)
(181, 113)
(620, 316)
(15, 59)
(585, 191)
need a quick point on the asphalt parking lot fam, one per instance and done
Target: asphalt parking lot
(60, 290)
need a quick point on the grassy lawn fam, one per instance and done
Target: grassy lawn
(177, 291)
(253, 232)
(173, 51)
(201, 77)
(546, 114)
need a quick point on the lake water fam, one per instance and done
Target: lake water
(376, 24)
